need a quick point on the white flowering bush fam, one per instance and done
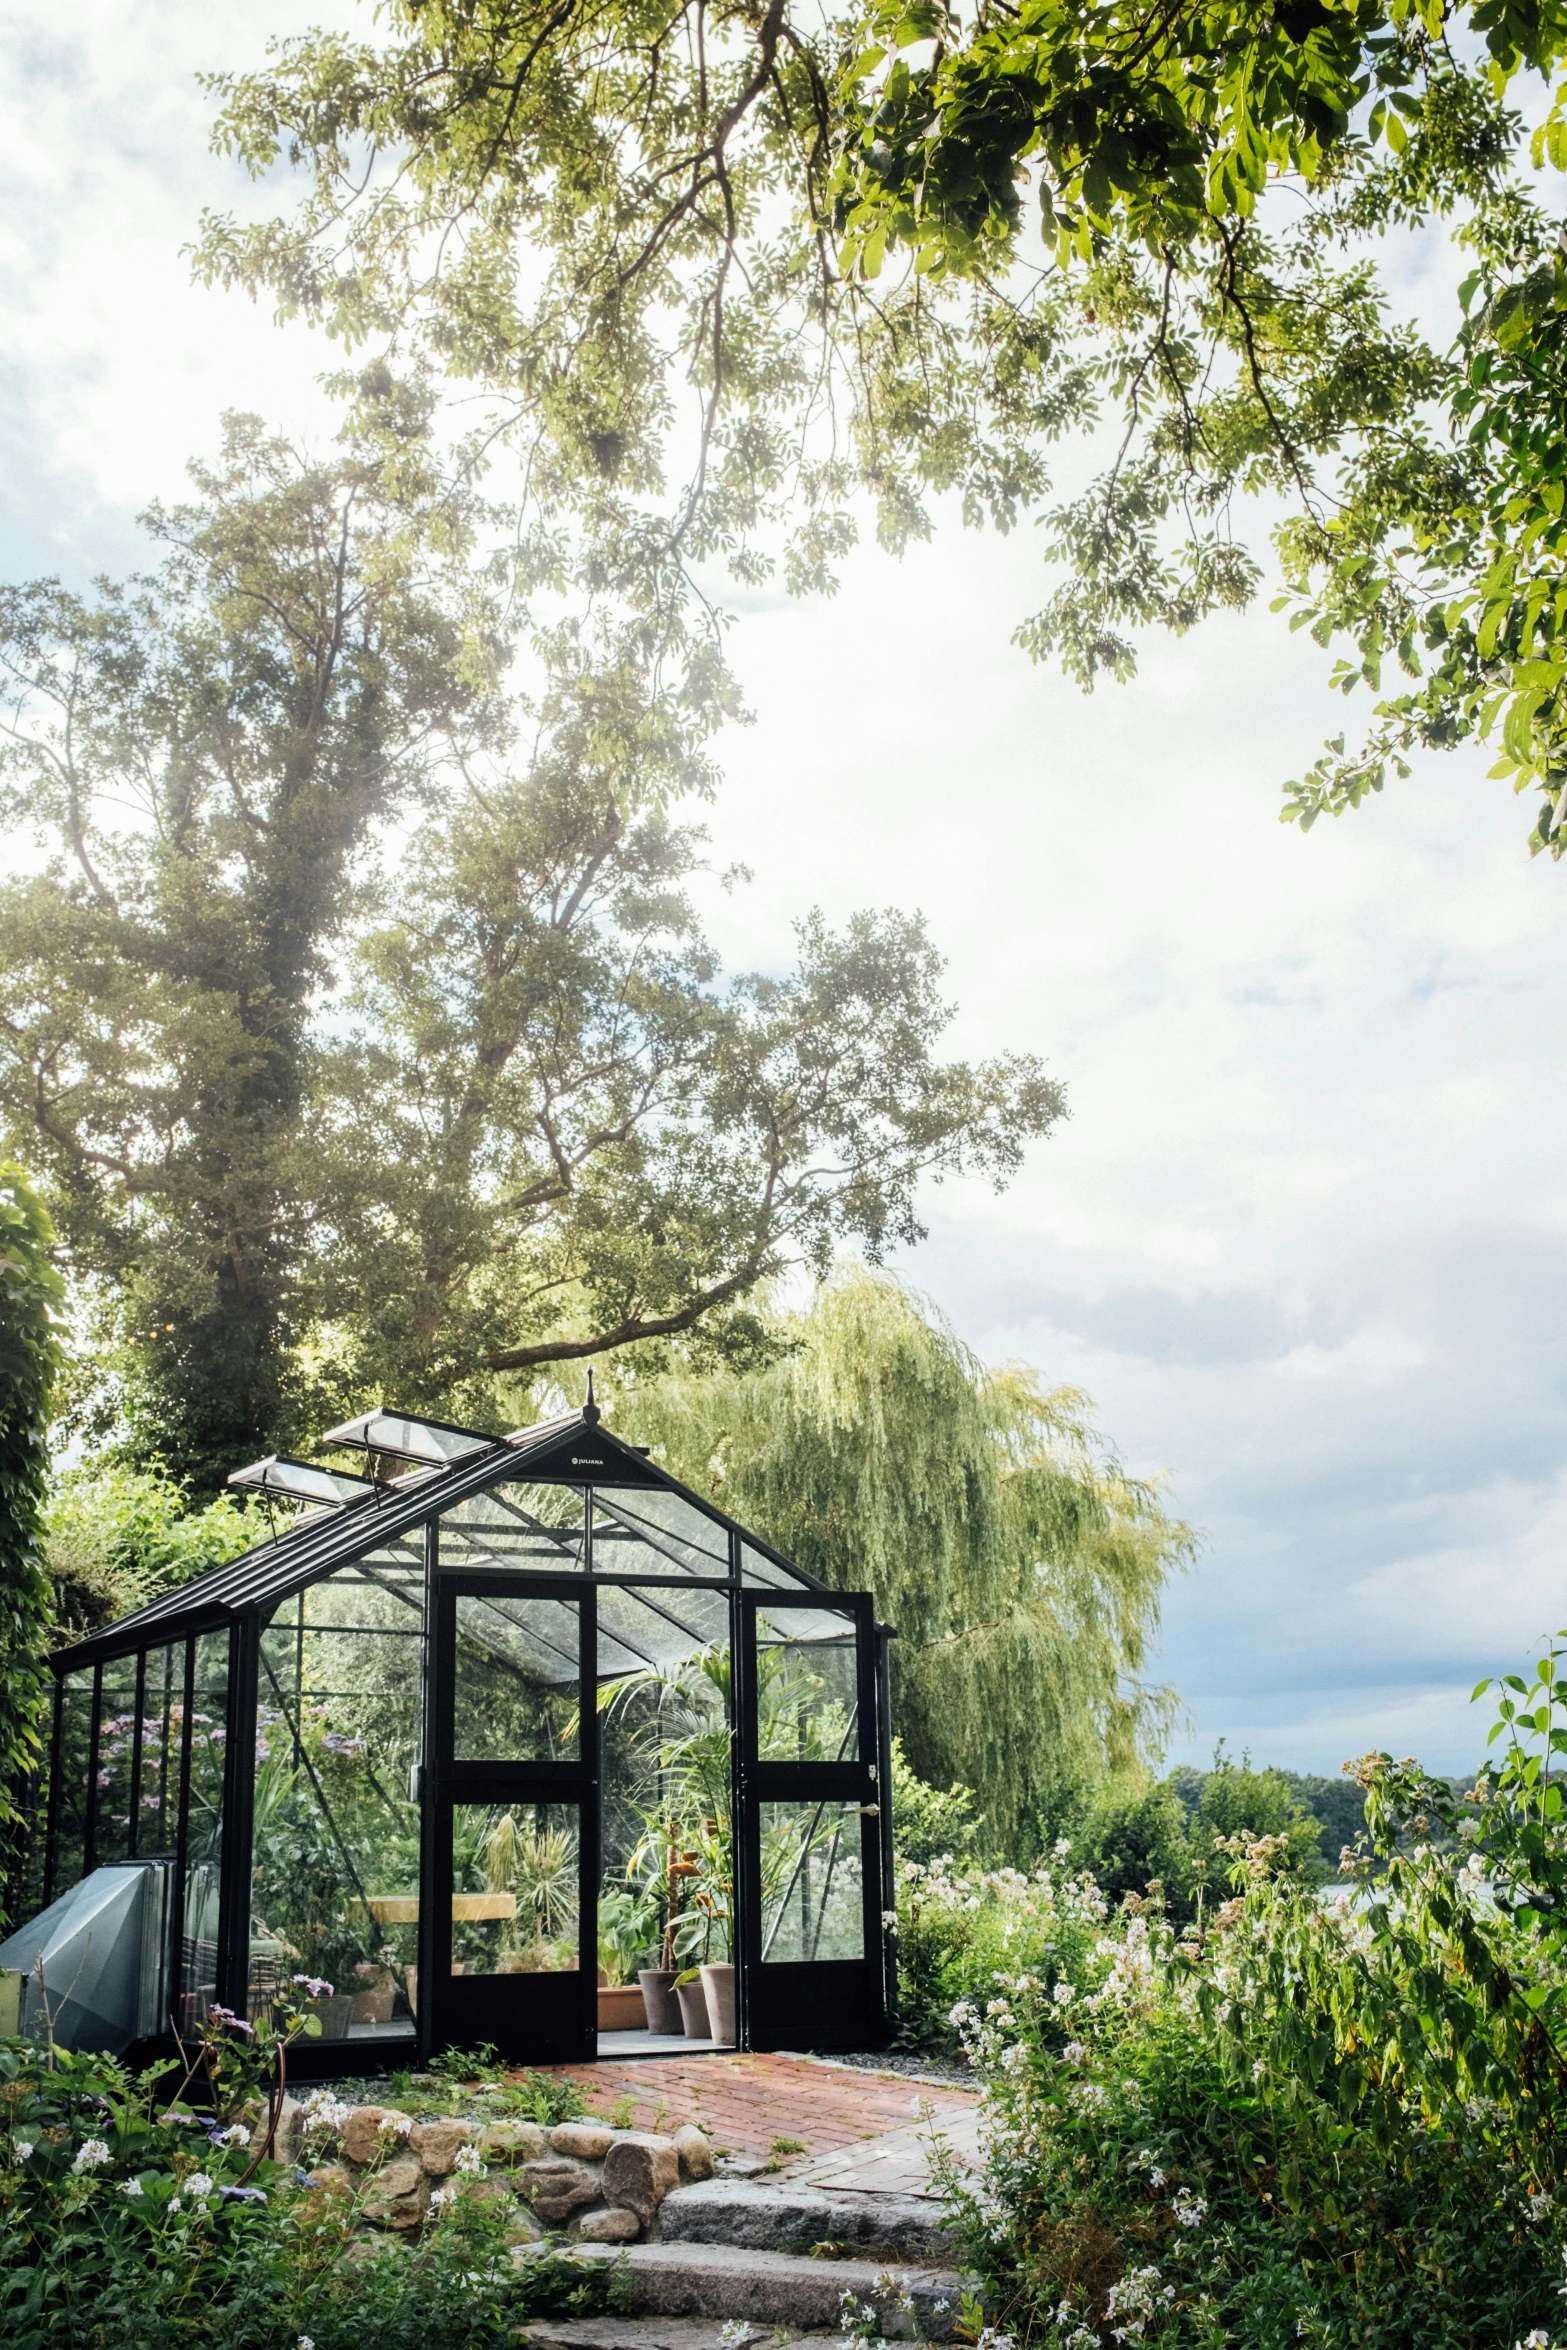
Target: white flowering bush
(1295, 2120)
(133, 2218)
(959, 1929)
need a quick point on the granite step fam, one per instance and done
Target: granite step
(796, 2216)
(659, 2333)
(768, 2289)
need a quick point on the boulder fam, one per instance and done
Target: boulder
(365, 2141)
(584, 2141)
(512, 2142)
(522, 2227)
(696, 2155)
(435, 2145)
(332, 2175)
(395, 2197)
(608, 2226)
(287, 2127)
(556, 2189)
(639, 2171)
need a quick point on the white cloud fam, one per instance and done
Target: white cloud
(1302, 1238)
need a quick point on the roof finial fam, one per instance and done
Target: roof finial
(590, 1410)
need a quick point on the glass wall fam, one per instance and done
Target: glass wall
(71, 1794)
(533, 1527)
(162, 1713)
(334, 1888)
(116, 1794)
(206, 1742)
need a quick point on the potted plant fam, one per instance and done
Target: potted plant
(693, 2004)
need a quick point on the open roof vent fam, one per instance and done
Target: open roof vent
(432, 1443)
(291, 1480)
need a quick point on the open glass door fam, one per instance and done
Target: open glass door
(810, 1819)
(509, 1953)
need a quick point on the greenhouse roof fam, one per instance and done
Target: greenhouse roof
(347, 1517)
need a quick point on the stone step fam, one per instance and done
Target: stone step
(767, 2289)
(797, 2217)
(659, 2333)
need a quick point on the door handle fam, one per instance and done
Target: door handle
(870, 1811)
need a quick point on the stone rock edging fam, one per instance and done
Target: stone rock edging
(595, 2184)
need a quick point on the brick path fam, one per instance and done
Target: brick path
(746, 2101)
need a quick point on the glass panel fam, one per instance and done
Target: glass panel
(642, 1531)
(70, 1853)
(537, 1527)
(812, 1881)
(204, 1846)
(516, 1906)
(116, 1747)
(335, 1854)
(157, 1799)
(755, 1568)
(517, 1678)
(668, 1879)
(807, 1678)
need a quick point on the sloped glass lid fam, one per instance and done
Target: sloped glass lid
(295, 1480)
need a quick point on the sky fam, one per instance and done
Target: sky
(1302, 1239)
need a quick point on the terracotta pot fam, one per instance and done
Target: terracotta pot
(622, 2008)
(693, 2010)
(718, 1988)
(374, 2007)
(411, 1976)
(658, 1996)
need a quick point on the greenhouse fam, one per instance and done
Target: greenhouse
(498, 1741)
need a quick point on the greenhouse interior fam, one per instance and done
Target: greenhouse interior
(511, 1743)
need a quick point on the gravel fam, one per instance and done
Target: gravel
(941, 2071)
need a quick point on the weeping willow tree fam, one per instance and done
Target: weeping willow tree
(1022, 1568)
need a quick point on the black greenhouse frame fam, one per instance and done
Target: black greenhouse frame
(438, 1738)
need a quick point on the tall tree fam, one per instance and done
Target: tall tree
(31, 1299)
(359, 1013)
(1020, 1566)
(902, 250)
(204, 756)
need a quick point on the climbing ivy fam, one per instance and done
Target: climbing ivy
(31, 1297)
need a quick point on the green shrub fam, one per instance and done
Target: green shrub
(1294, 2120)
(1132, 1838)
(116, 1536)
(929, 1823)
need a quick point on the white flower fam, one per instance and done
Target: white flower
(235, 2135)
(90, 2156)
(1156, 2178)
(1190, 2210)
(1063, 1994)
(1540, 2206)
(174, 2203)
(734, 2330)
(442, 2196)
(1075, 2051)
(1061, 1847)
(395, 2125)
(132, 2187)
(470, 2162)
(198, 2183)
(1538, 2340)
(304, 2343)
(24, 2147)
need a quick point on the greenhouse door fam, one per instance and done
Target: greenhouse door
(509, 1953)
(809, 1809)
